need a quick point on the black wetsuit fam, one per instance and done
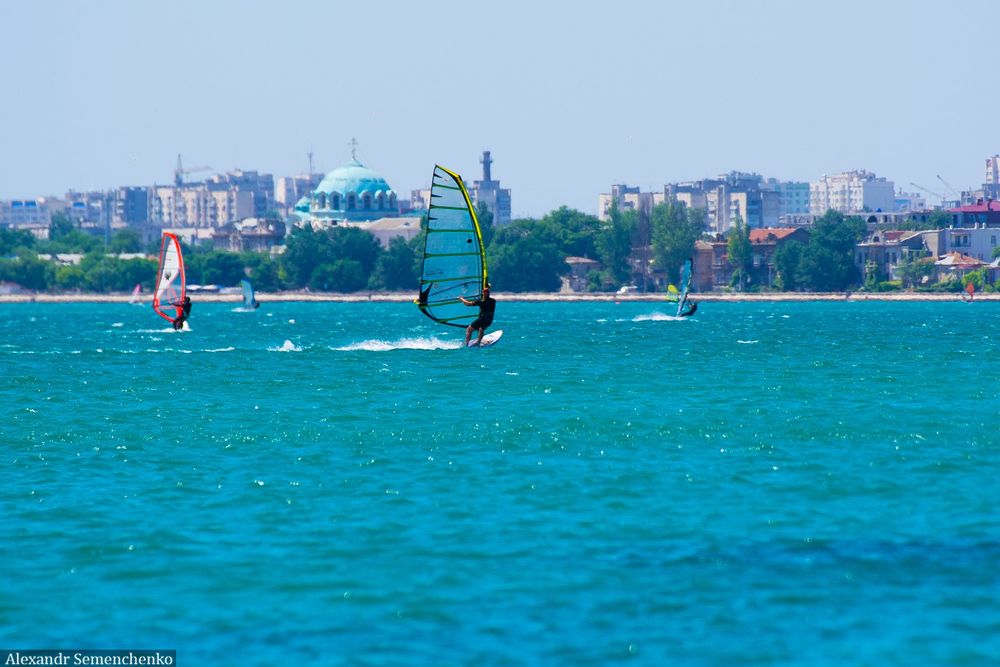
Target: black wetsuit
(183, 315)
(692, 307)
(486, 307)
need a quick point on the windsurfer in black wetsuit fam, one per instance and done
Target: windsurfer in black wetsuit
(183, 310)
(487, 305)
(692, 306)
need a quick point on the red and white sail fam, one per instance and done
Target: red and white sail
(170, 286)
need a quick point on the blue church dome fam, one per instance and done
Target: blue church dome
(352, 193)
(353, 177)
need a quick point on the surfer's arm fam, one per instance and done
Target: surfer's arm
(465, 301)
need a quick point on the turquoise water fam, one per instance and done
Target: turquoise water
(339, 484)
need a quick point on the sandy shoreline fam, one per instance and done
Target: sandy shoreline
(400, 297)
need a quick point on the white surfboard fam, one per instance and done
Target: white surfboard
(488, 339)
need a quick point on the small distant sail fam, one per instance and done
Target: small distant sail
(170, 284)
(136, 294)
(249, 301)
(682, 300)
(970, 289)
(454, 260)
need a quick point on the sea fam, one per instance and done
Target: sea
(779, 483)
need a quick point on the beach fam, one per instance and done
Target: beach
(404, 297)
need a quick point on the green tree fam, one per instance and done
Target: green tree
(73, 242)
(613, 243)
(65, 237)
(12, 239)
(786, 263)
(675, 230)
(355, 244)
(936, 220)
(69, 278)
(340, 275)
(739, 250)
(977, 278)
(27, 270)
(939, 220)
(305, 249)
(575, 232)
(125, 240)
(262, 270)
(416, 244)
(60, 225)
(485, 217)
(394, 268)
(914, 270)
(827, 262)
(214, 267)
(525, 257)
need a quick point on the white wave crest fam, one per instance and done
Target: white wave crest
(656, 317)
(287, 346)
(432, 343)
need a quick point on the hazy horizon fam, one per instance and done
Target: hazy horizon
(569, 98)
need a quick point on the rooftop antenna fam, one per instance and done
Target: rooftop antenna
(310, 155)
(354, 148)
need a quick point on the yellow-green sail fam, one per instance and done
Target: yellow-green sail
(454, 260)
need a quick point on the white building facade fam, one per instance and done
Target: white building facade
(851, 192)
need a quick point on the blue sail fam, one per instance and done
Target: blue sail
(682, 300)
(249, 300)
(454, 260)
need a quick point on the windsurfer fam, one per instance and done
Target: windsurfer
(487, 305)
(692, 306)
(183, 311)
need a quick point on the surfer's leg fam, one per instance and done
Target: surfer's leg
(468, 334)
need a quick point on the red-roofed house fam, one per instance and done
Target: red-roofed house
(764, 242)
(981, 214)
(956, 264)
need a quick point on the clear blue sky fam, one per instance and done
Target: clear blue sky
(569, 96)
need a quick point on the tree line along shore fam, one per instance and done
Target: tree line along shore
(400, 297)
(524, 257)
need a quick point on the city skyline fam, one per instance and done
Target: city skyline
(569, 98)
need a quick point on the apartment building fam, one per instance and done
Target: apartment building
(851, 192)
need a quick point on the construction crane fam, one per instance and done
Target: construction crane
(180, 171)
(955, 193)
(930, 192)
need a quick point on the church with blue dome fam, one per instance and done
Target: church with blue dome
(351, 193)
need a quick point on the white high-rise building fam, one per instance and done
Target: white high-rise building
(991, 188)
(851, 192)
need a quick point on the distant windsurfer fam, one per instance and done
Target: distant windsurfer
(183, 311)
(487, 305)
(690, 309)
